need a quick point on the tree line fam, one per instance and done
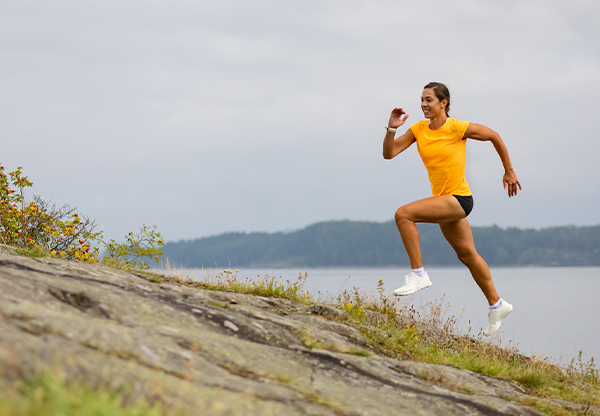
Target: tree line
(361, 243)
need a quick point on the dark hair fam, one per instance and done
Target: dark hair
(441, 92)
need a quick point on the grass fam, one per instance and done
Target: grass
(35, 251)
(48, 394)
(427, 335)
(430, 336)
(433, 338)
(227, 280)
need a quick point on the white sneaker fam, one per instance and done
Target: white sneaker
(412, 284)
(495, 317)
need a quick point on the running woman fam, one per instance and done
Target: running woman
(441, 142)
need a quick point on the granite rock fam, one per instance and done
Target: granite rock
(217, 353)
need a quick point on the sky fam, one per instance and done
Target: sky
(205, 117)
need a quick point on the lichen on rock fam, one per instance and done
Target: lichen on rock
(216, 353)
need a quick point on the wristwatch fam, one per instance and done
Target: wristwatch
(390, 129)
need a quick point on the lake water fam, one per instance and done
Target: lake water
(555, 311)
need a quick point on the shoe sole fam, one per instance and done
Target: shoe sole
(413, 292)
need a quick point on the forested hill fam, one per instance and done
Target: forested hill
(355, 243)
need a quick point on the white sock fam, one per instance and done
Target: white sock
(496, 305)
(419, 272)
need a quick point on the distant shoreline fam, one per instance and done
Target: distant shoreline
(369, 244)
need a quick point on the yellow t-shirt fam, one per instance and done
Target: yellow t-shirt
(443, 152)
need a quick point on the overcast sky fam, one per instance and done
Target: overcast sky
(204, 117)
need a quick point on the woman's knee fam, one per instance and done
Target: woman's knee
(402, 214)
(467, 257)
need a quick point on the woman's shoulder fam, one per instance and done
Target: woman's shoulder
(457, 124)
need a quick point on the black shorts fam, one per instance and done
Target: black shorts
(466, 202)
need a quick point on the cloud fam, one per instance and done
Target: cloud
(204, 117)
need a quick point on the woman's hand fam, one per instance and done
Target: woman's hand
(393, 146)
(396, 119)
(511, 182)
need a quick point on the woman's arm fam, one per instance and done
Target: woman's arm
(483, 133)
(393, 147)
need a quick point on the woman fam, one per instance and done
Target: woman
(441, 142)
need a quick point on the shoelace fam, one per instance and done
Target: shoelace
(409, 277)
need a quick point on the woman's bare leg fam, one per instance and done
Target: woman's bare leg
(459, 235)
(436, 209)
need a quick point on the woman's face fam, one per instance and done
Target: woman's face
(431, 106)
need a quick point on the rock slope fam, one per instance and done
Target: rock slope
(215, 353)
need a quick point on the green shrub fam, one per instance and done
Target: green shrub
(38, 228)
(134, 254)
(59, 231)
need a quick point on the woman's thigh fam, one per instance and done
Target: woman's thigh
(459, 235)
(435, 209)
